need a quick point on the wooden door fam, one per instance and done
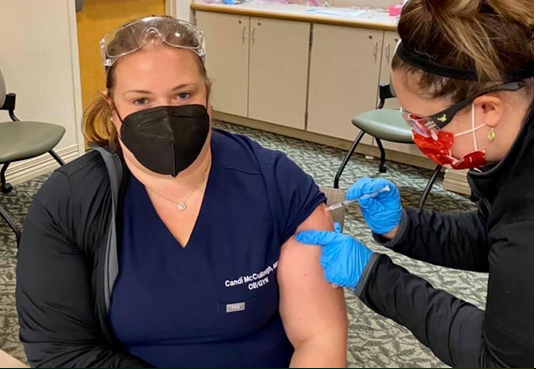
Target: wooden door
(343, 81)
(96, 19)
(227, 60)
(278, 67)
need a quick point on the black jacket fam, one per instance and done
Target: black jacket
(497, 239)
(74, 216)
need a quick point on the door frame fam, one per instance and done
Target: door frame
(75, 70)
(179, 9)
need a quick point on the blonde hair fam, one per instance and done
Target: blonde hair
(488, 36)
(97, 125)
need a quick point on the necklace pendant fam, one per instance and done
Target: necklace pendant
(181, 206)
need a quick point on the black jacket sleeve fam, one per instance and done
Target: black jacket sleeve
(456, 241)
(458, 333)
(55, 302)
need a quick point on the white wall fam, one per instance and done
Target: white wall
(39, 61)
(349, 3)
(366, 3)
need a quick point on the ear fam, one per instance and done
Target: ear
(106, 96)
(490, 108)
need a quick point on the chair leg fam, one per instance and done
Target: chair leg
(56, 157)
(11, 224)
(347, 158)
(383, 167)
(5, 187)
(428, 187)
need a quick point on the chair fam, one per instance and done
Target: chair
(20, 140)
(388, 125)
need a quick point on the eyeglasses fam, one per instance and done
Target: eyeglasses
(134, 35)
(426, 125)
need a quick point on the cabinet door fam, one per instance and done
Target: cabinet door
(389, 44)
(227, 42)
(343, 81)
(390, 40)
(279, 55)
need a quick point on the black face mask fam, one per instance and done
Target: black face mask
(166, 139)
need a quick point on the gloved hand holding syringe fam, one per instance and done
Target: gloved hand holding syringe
(362, 197)
(343, 257)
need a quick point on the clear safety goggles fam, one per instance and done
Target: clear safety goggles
(133, 36)
(428, 126)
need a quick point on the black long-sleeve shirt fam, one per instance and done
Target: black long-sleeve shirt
(497, 239)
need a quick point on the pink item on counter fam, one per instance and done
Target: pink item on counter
(395, 10)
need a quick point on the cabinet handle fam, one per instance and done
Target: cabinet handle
(375, 50)
(253, 36)
(388, 51)
(243, 34)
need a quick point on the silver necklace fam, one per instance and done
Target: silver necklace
(182, 204)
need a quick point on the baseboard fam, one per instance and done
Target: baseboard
(22, 171)
(363, 148)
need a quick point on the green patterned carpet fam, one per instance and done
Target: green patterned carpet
(373, 340)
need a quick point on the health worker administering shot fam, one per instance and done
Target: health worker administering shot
(463, 74)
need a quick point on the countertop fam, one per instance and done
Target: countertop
(337, 16)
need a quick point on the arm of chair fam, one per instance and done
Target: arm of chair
(9, 105)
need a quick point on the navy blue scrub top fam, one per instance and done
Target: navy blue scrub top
(215, 302)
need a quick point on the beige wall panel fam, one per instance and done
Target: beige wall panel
(279, 55)
(343, 81)
(227, 39)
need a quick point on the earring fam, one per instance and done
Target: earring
(491, 135)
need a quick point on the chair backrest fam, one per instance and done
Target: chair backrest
(393, 93)
(334, 196)
(386, 92)
(2, 90)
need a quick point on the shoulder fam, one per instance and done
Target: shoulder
(75, 181)
(514, 211)
(515, 201)
(74, 199)
(234, 151)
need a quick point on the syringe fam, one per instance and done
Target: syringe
(365, 196)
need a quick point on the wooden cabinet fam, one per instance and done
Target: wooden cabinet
(227, 59)
(312, 77)
(258, 66)
(343, 80)
(278, 59)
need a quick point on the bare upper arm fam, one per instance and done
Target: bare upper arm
(309, 306)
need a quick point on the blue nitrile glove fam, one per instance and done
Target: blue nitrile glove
(343, 257)
(382, 212)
